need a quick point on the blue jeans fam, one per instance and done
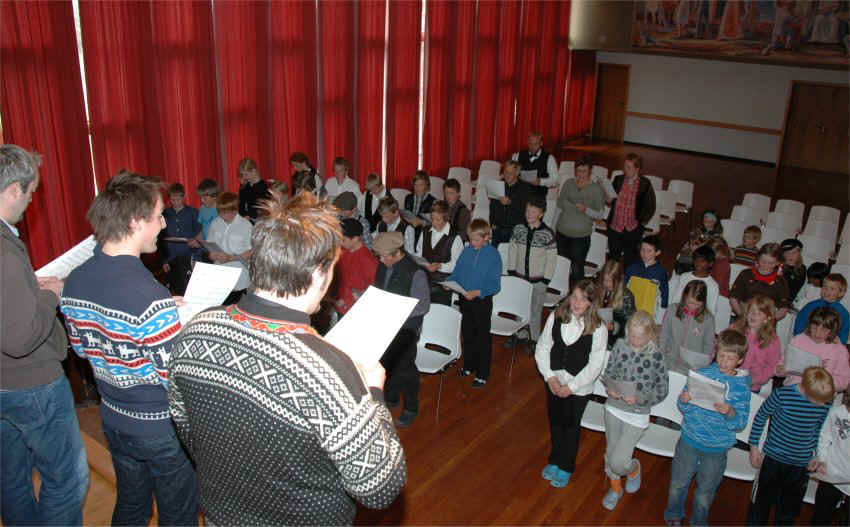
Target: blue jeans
(38, 428)
(708, 468)
(152, 466)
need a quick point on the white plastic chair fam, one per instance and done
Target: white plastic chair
(399, 194)
(503, 253)
(653, 226)
(738, 460)
(552, 213)
(783, 220)
(845, 230)
(559, 286)
(658, 439)
(684, 191)
(511, 310)
(794, 208)
(567, 170)
(657, 182)
(489, 168)
(774, 235)
(463, 176)
(437, 187)
(598, 172)
(665, 201)
(785, 330)
(815, 249)
(758, 202)
(733, 231)
(615, 174)
(439, 344)
(734, 270)
(824, 230)
(843, 256)
(824, 213)
(596, 255)
(723, 314)
(594, 413)
(748, 215)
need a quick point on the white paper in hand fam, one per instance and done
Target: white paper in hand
(209, 286)
(211, 246)
(367, 330)
(624, 388)
(705, 392)
(797, 360)
(453, 286)
(61, 267)
(606, 314)
(495, 188)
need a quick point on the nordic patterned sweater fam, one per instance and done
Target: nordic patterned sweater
(646, 367)
(711, 431)
(279, 423)
(123, 320)
(533, 253)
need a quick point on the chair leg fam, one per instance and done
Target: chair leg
(439, 395)
(513, 354)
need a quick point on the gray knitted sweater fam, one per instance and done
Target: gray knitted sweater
(646, 367)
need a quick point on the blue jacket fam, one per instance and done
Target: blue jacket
(712, 431)
(479, 269)
(655, 272)
(802, 319)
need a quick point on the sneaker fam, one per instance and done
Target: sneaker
(633, 484)
(549, 472)
(464, 373)
(390, 403)
(560, 479)
(611, 499)
(406, 419)
(478, 382)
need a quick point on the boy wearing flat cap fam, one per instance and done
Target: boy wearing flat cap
(399, 274)
(792, 265)
(346, 203)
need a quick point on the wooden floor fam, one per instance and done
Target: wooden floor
(481, 462)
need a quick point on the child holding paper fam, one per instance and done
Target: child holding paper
(627, 411)
(687, 334)
(821, 340)
(758, 323)
(708, 435)
(232, 233)
(478, 271)
(796, 415)
(834, 456)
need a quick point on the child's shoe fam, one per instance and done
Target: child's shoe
(560, 479)
(464, 373)
(549, 472)
(633, 479)
(479, 382)
(611, 499)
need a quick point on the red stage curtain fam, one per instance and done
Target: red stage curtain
(581, 89)
(43, 110)
(485, 84)
(528, 84)
(403, 93)
(553, 116)
(336, 98)
(508, 81)
(460, 97)
(370, 88)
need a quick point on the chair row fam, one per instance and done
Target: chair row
(815, 247)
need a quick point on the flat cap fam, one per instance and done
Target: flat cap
(387, 242)
(346, 201)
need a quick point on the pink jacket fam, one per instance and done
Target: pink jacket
(833, 357)
(761, 362)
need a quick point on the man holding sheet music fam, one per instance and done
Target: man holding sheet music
(38, 425)
(508, 211)
(537, 159)
(284, 428)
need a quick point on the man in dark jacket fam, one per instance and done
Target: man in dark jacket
(509, 211)
(631, 210)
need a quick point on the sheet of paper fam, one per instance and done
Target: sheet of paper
(705, 392)
(406, 214)
(454, 286)
(61, 267)
(606, 314)
(797, 360)
(528, 175)
(607, 188)
(835, 479)
(367, 330)
(495, 188)
(694, 359)
(419, 260)
(209, 286)
(624, 388)
(211, 246)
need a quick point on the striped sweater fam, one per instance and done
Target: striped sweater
(795, 425)
(123, 320)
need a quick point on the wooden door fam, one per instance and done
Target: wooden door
(612, 94)
(816, 128)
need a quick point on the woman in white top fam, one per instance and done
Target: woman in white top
(571, 353)
(232, 233)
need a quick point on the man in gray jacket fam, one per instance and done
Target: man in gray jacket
(37, 420)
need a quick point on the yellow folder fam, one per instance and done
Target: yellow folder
(645, 292)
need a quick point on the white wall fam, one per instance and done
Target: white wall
(710, 90)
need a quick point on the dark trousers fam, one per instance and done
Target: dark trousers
(575, 249)
(501, 234)
(178, 274)
(625, 244)
(565, 428)
(402, 376)
(440, 295)
(826, 500)
(477, 341)
(781, 485)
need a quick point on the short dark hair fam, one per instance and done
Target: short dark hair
(343, 162)
(299, 157)
(653, 240)
(124, 198)
(176, 188)
(705, 252)
(303, 180)
(636, 160)
(227, 202)
(292, 240)
(734, 341)
(536, 201)
(440, 207)
(584, 161)
(388, 204)
(453, 184)
(208, 187)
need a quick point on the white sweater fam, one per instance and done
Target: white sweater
(233, 238)
(581, 383)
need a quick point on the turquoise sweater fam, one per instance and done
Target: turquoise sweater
(712, 431)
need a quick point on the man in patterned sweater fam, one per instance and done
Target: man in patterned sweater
(124, 322)
(283, 427)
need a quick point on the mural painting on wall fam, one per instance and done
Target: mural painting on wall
(799, 32)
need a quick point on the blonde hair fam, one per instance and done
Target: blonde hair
(766, 305)
(719, 246)
(372, 180)
(479, 226)
(227, 202)
(614, 269)
(837, 279)
(818, 384)
(564, 314)
(642, 319)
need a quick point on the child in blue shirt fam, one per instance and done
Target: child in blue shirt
(707, 435)
(479, 272)
(834, 287)
(650, 268)
(208, 190)
(181, 221)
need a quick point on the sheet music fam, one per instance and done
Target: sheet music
(705, 392)
(495, 188)
(453, 286)
(209, 286)
(61, 267)
(367, 330)
(211, 246)
(835, 479)
(797, 360)
(407, 215)
(694, 359)
(624, 388)
(606, 314)
(528, 175)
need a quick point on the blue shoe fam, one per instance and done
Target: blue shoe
(549, 472)
(633, 484)
(560, 479)
(611, 499)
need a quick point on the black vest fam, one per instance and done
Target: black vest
(401, 227)
(400, 282)
(540, 164)
(455, 218)
(572, 358)
(440, 253)
(375, 218)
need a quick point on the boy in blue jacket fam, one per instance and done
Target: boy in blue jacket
(650, 268)
(479, 272)
(707, 435)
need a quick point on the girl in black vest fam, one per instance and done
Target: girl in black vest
(570, 356)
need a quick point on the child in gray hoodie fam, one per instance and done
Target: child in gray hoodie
(687, 334)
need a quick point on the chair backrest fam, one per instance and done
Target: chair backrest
(656, 182)
(552, 213)
(756, 401)
(463, 176)
(783, 220)
(514, 297)
(440, 327)
(793, 207)
(722, 314)
(668, 408)
(759, 202)
(437, 187)
(489, 168)
(684, 191)
(666, 201)
(598, 172)
(843, 256)
(734, 270)
(774, 235)
(824, 230)
(503, 253)
(748, 215)
(653, 226)
(815, 249)
(733, 231)
(842, 269)
(785, 329)
(567, 169)
(616, 173)
(845, 230)
(598, 248)
(561, 279)
(399, 194)
(824, 213)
